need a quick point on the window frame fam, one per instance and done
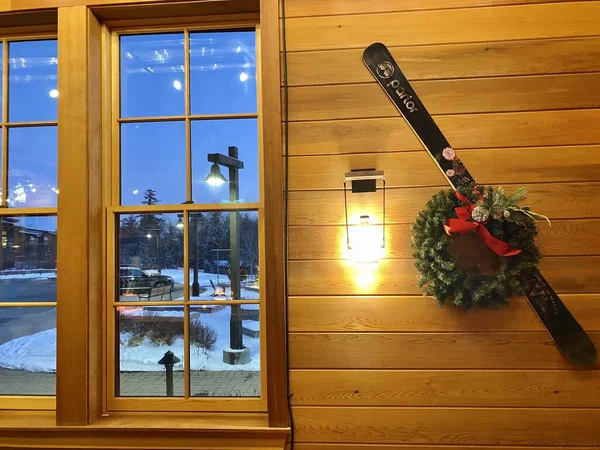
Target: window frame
(21, 402)
(113, 209)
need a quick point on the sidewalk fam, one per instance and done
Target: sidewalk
(224, 383)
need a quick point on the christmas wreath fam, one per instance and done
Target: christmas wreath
(506, 227)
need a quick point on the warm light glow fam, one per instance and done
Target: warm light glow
(243, 77)
(366, 242)
(53, 93)
(365, 276)
(177, 84)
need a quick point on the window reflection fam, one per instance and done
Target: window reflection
(153, 159)
(33, 167)
(152, 75)
(32, 81)
(223, 72)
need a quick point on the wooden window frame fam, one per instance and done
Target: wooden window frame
(114, 209)
(83, 134)
(21, 402)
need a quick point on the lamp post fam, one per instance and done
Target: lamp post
(149, 236)
(215, 178)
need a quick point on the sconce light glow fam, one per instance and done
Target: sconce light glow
(366, 244)
(53, 93)
(215, 178)
(177, 84)
(243, 77)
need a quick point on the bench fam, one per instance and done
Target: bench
(159, 291)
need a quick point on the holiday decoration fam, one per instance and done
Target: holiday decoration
(564, 329)
(507, 228)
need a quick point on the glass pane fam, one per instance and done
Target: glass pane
(28, 351)
(1, 171)
(150, 257)
(152, 75)
(224, 351)
(223, 72)
(216, 136)
(32, 81)
(216, 240)
(28, 259)
(145, 335)
(32, 167)
(153, 159)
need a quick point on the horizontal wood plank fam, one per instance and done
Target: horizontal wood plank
(444, 26)
(328, 446)
(481, 59)
(489, 166)
(428, 351)
(562, 238)
(503, 388)
(432, 426)
(422, 314)
(567, 275)
(494, 130)
(460, 96)
(557, 201)
(307, 8)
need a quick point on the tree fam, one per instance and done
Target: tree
(249, 241)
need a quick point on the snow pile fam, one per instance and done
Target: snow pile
(37, 352)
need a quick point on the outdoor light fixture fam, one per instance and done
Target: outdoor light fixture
(365, 244)
(180, 221)
(149, 236)
(215, 178)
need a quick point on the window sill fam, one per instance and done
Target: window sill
(235, 431)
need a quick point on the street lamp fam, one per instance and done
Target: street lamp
(149, 236)
(180, 221)
(216, 178)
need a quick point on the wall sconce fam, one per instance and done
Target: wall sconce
(365, 244)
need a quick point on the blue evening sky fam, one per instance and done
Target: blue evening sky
(222, 81)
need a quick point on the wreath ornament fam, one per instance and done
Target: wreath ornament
(505, 226)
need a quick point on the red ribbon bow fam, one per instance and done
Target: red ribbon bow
(463, 225)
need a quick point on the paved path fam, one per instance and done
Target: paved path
(143, 384)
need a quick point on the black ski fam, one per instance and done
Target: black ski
(564, 329)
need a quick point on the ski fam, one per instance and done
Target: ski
(563, 328)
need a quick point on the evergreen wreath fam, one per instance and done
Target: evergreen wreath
(507, 228)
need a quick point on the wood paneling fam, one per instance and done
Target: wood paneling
(567, 275)
(504, 388)
(563, 238)
(557, 201)
(523, 129)
(432, 426)
(422, 314)
(427, 351)
(490, 166)
(444, 27)
(302, 8)
(481, 59)
(459, 96)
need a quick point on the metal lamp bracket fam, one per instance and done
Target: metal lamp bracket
(363, 180)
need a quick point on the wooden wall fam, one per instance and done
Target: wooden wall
(515, 86)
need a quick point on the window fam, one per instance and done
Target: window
(28, 218)
(185, 224)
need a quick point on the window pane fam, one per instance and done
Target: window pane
(32, 82)
(224, 351)
(28, 259)
(216, 136)
(150, 257)
(145, 335)
(28, 351)
(152, 75)
(153, 159)
(223, 72)
(32, 167)
(217, 239)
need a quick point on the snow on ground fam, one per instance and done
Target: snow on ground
(37, 352)
(27, 276)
